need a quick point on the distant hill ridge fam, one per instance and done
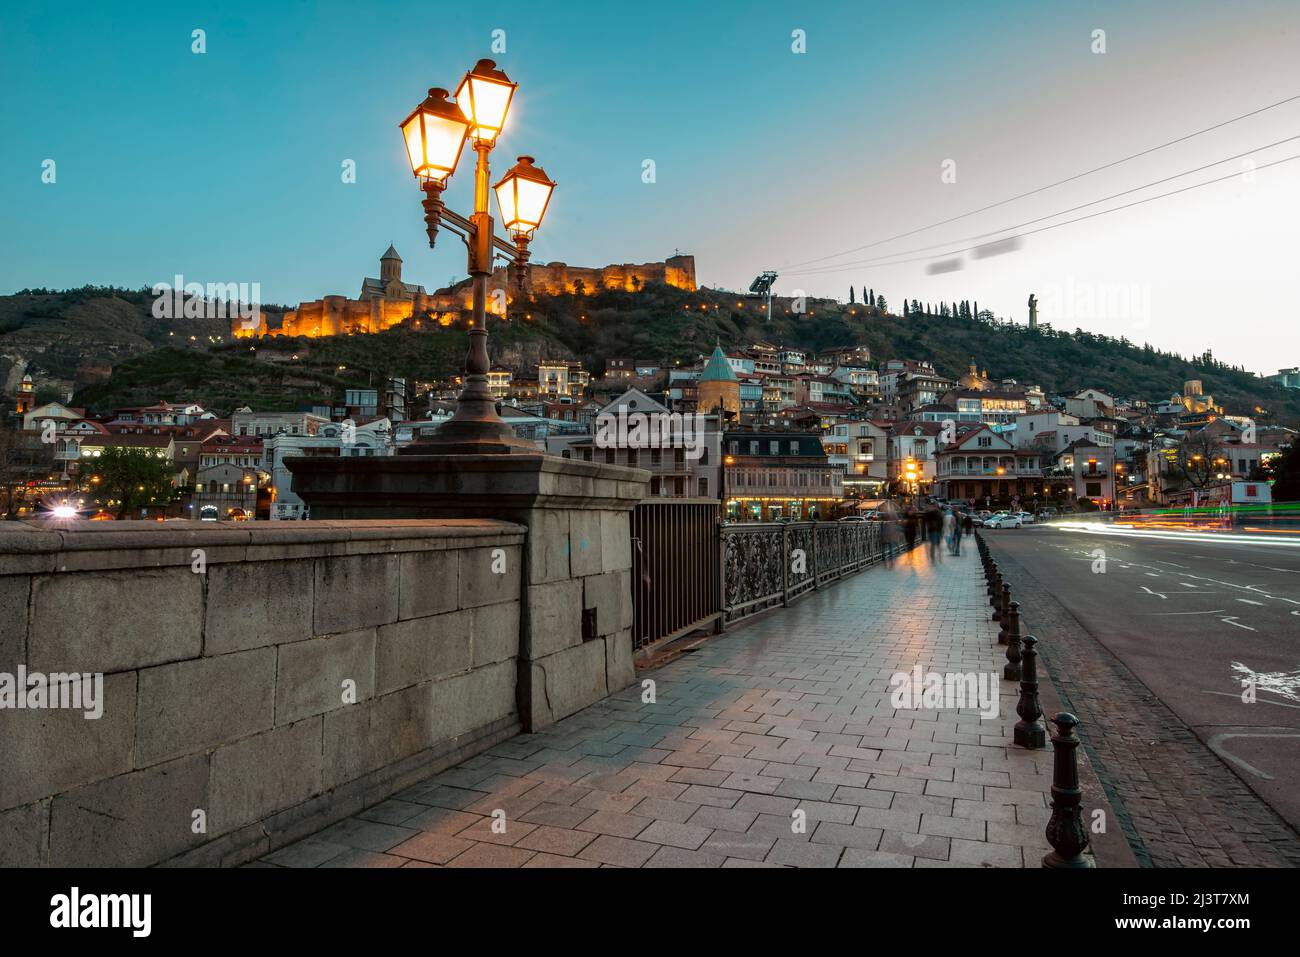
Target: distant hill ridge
(53, 334)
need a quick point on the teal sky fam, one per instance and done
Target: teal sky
(226, 166)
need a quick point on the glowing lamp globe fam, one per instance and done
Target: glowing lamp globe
(523, 195)
(484, 99)
(434, 133)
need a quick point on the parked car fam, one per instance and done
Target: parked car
(857, 518)
(1003, 520)
(1026, 517)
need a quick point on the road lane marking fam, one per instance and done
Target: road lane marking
(1247, 601)
(1285, 684)
(1150, 592)
(1232, 620)
(1229, 694)
(1216, 611)
(1216, 741)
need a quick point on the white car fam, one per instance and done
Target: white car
(1003, 520)
(1026, 517)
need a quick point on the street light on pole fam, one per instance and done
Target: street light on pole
(435, 134)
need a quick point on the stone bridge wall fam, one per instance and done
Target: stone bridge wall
(228, 653)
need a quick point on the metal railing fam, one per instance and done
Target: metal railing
(675, 567)
(689, 572)
(768, 564)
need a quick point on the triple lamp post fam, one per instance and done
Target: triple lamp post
(435, 134)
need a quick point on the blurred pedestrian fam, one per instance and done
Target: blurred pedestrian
(952, 531)
(933, 523)
(911, 523)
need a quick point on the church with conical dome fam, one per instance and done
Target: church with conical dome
(976, 381)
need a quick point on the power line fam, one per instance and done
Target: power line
(831, 268)
(1059, 182)
(1077, 219)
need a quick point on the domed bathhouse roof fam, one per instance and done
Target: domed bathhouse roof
(718, 369)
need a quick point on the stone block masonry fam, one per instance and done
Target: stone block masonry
(575, 581)
(260, 681)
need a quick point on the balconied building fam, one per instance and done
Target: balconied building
(911, 384)
(1050, 431)
(983, 467)
(860, 450)
(773, 475)
(991, 406)
(681, 464)
(246, 422)
(333, 440)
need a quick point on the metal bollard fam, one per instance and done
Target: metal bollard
(1066, 831)
(1012, 671)
(1003, 612)
(1029, 732)
(996, 598)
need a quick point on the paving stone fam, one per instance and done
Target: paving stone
(618, 851)
(557, 815)
(442, 820)
(661, 810)
(714, 797)
(944, 826)
(367, 835)
(393, 811)
(915, 845)
(309, 853)
(857, 857)
(749, 846)
(804, 854)
(555, 840)
(432, 847)
(727, 819)
(688, 836)
(355, 857)
(846, 835)
(552, 860)
(615, 824)
(982, 854)
(492, 855)
(677, 857)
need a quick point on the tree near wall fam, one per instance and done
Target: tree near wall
(23, 457)
(13, 472)
(1197, 459)
(1286, 474)
(127, 480)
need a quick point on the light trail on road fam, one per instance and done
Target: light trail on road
(1129, 531)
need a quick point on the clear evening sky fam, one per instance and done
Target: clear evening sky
(225, 166)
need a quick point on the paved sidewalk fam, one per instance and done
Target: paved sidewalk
(788, 713)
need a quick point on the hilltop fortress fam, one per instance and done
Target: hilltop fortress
(388, 301)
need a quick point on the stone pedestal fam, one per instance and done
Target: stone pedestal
(575, 641)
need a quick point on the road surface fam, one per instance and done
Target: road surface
(1200, 619)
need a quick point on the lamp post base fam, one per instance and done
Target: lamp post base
(462, 435)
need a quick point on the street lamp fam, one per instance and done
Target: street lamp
(435, 133)
(522, 197)
(727, 461)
